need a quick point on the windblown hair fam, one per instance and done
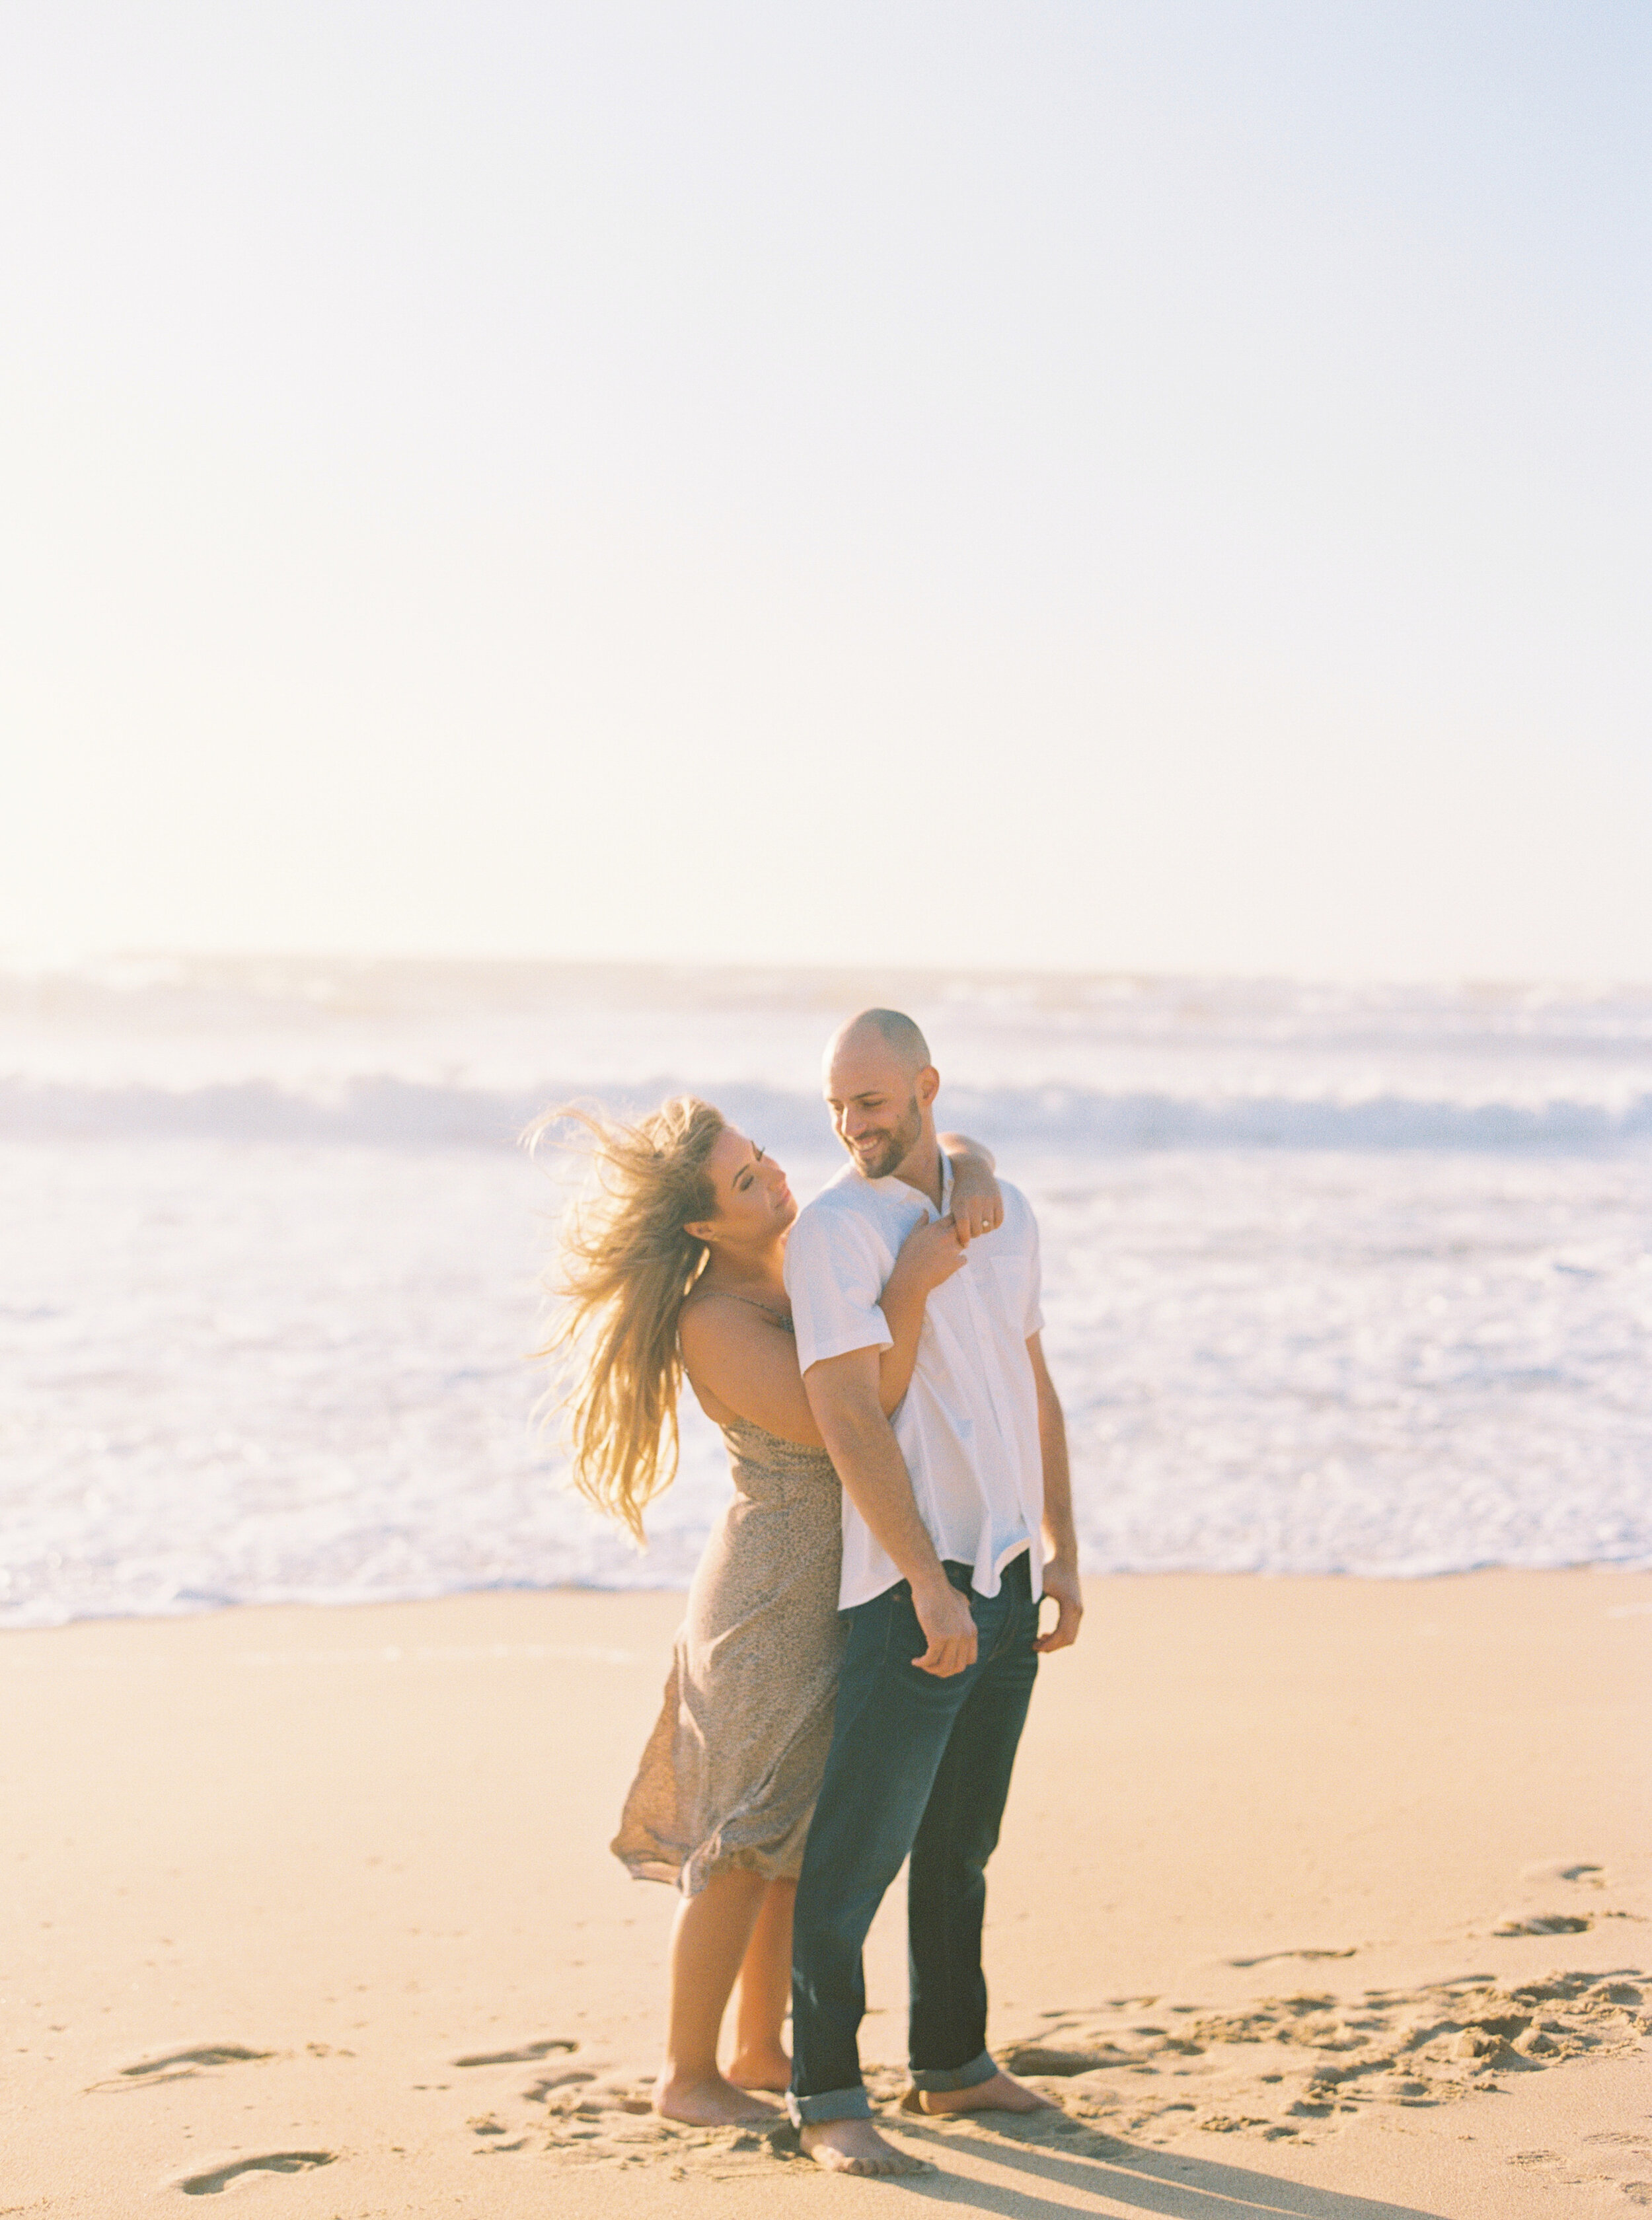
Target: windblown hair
(626, 1261)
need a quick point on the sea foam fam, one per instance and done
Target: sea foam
(1351, 1279)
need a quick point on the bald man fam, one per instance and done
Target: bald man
(957, 1519)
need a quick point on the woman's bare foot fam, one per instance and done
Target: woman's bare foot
(710, 2102)
(764, 2066)
(1003, 2093)
(854, 2146)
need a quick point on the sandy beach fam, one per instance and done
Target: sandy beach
(1317, 1897)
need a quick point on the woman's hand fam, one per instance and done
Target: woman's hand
(930, 1253)
(977, 1199)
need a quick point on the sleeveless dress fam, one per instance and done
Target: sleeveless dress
(732, 1769)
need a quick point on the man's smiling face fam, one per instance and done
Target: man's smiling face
(874, 1102)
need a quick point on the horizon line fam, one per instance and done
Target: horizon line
(22, 961)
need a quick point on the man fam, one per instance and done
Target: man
(958, 1517)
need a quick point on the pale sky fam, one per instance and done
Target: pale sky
(1151, 485)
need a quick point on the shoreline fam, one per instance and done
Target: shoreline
(1254, 1815)
(1592, 1566)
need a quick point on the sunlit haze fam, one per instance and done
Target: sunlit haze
(1147, 485)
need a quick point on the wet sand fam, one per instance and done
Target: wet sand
(1316, 1897)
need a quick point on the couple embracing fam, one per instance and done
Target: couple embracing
(851, 1682)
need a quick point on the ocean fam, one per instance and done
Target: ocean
(1346, 1280)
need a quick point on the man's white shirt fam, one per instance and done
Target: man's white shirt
(967, 1426)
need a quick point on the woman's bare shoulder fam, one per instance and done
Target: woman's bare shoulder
(741, 1362)
(715, 1319)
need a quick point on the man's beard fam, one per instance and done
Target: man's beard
(896, 1146)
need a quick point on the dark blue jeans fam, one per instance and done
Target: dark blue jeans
(919, 1766)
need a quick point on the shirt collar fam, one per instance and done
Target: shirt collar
(889, 1185)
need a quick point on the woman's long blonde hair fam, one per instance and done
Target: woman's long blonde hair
(626, 1261)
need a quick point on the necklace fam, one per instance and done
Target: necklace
(781, 1318)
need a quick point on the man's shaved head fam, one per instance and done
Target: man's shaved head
(893, 1028)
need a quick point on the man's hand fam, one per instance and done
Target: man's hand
(1061, 1582)
(945, 1617)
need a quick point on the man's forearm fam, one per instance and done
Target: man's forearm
(1061, 1537)
(863, 1447)
(842, 1395)
(1061, 1578)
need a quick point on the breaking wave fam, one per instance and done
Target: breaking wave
(385, 1110)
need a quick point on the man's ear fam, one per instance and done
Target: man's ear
(928, 1084)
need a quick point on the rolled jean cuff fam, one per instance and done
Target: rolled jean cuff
(831, 2105)
(956, 2077)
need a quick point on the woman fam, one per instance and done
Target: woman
(673, 1265)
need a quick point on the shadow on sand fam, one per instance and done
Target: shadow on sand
(1173, 2183)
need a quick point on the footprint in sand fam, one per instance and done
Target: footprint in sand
(492, 2126)
(1040, 2058)
(1560, 1873)
(182, 2065)
(1601, 2149)
(614, 2123)
(1271, 2067)
(526, 2053)
(1294, 2067)
(214, 2182)
(537, 2091)
(1272, 1957)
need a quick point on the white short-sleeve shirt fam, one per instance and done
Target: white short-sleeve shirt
(968, 1425)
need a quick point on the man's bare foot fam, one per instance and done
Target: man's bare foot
(764, 2066)
(710, 2102)
(854, 2146)
(1003, 2093)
